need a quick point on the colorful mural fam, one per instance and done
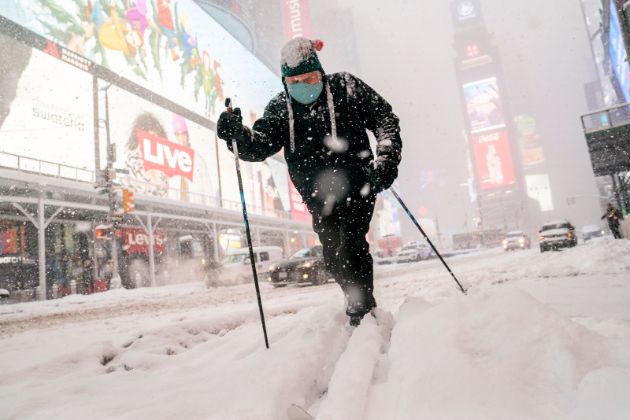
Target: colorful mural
(170, 47)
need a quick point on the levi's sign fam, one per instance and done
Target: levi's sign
(170, 158)
(137, 241)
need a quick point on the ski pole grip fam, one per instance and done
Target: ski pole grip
(228, 104)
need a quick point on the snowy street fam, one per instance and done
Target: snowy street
(540, 336)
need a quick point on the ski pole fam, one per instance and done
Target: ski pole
(228, 104)
(415, 222)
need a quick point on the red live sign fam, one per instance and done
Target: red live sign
(170, 158)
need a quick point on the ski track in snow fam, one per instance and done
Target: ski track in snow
(356, 369)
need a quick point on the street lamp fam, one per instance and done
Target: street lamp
(113, 218)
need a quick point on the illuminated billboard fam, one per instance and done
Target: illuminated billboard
(493, 159)
(299, 211)
(297, 18)
(171, 47)
(617, 52)
(539, 188)
(388, 217)
(483, 104)
(274, 187)
(42, 116)
(164, 154)
(532, 153)
(466, 12)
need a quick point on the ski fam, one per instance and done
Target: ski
(349, 398)
(295, 412)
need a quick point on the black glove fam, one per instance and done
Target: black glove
(230, 126)
(383, 176)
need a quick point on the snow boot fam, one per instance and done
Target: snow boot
(357, 311)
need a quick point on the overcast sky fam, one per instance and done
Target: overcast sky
(406, 53)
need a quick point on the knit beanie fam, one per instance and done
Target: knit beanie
(299, 56)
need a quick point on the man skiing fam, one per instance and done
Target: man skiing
(613, 216)
(321, 121)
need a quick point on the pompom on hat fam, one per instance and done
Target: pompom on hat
(299, 56)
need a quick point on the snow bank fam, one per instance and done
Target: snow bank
(605, 257)
(213, 369)
(495, 355)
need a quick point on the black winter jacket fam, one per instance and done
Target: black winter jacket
(317, 165)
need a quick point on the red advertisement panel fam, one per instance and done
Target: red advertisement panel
(297, 18)
(299, 212)
(137, 241)
(494, 160)
(170, 158)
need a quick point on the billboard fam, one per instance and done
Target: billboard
(297, 18)
(529, 141)
(171, 47)
(483, 105)
(42, 116)
(164, 154)
(274, 187)
(466, 12)
(617, 53)
(493, 159)
(136, 241)
(388, 217)
(539, 188)
(299, 212)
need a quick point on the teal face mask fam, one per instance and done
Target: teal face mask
(304, 93)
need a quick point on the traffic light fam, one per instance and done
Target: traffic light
(128, 201)
(102, 232)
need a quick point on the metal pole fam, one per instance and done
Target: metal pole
(415, 222)
(151, 250)
(258, 237)
(249, 241)
(97, 148)
(215, 242)
(94, 257)
(41, 246)
(287, 244)
(115, 281)
(228, 104)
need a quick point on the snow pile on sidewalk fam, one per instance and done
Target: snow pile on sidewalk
(497, 355)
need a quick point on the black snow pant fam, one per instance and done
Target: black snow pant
(346, 251)
(614, 228)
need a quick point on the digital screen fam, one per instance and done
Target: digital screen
(617, 53)
(483, 104)
(493, 159)
(42, 116)
(164, 154)
(539, 188)
(171, 47)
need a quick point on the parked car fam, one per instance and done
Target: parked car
(305, 266)
(516, 239)
(380, 258)
(236, 265)
(591, 232)
(557, 234)
(413, 252)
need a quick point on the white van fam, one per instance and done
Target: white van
(236, 266)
